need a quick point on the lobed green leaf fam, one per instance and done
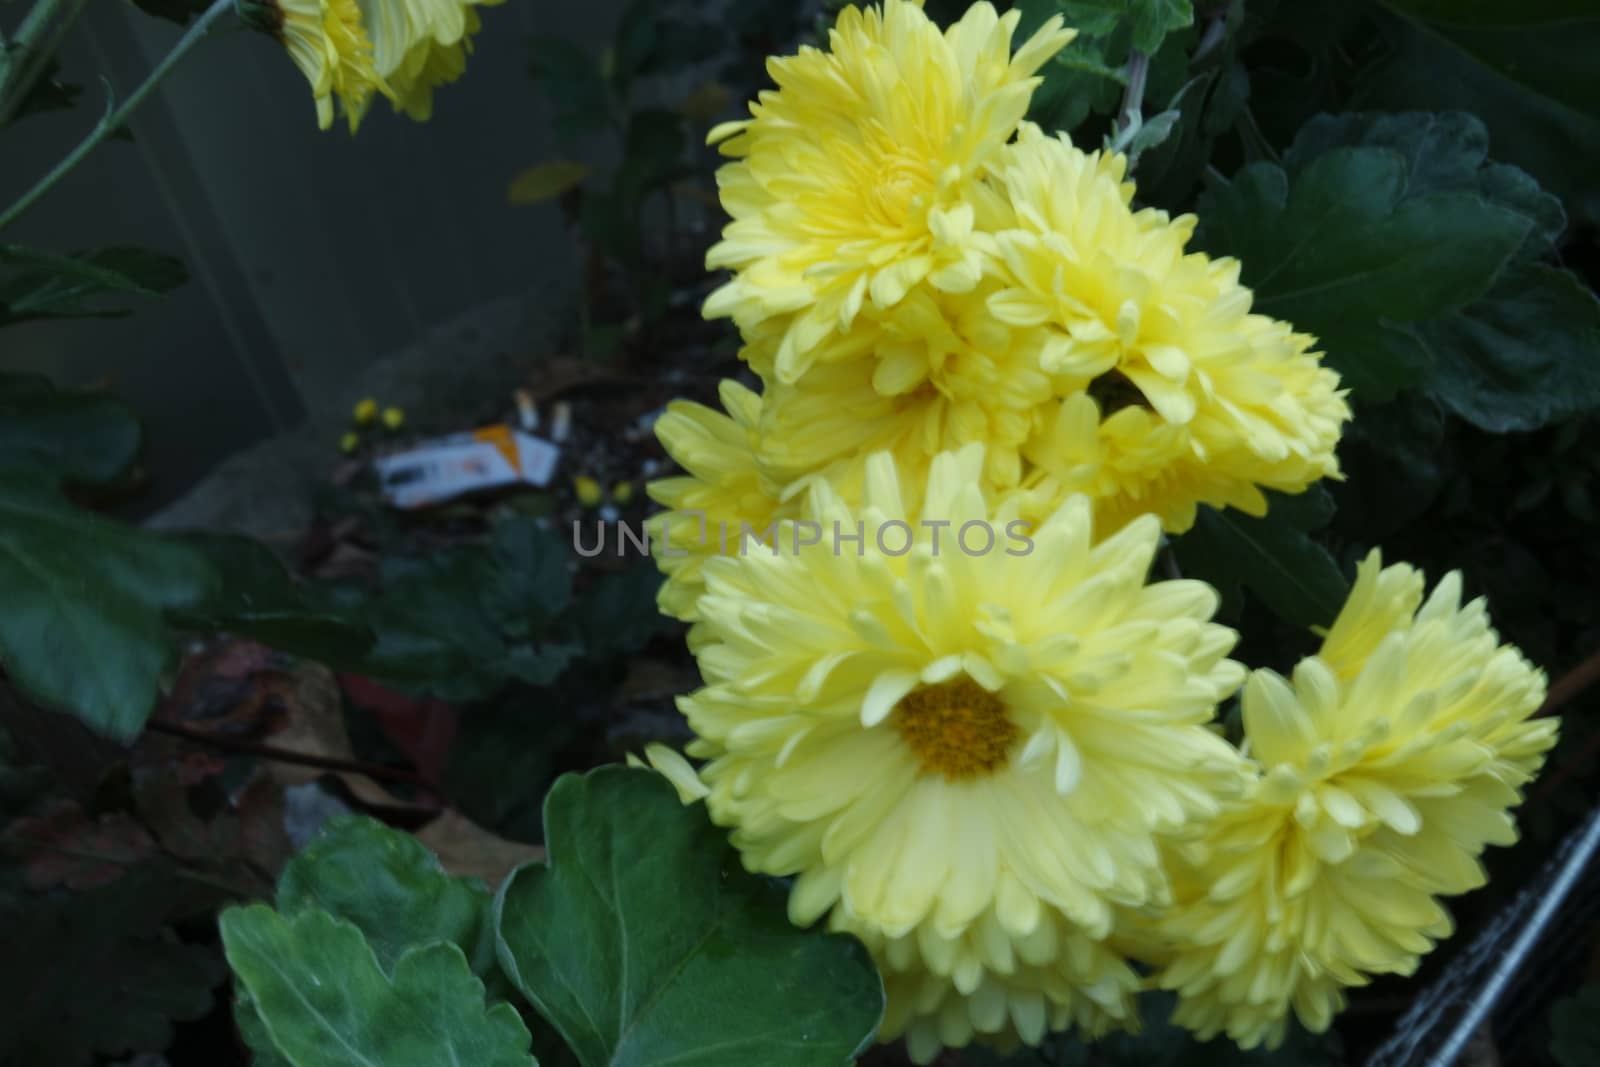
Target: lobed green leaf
(324, 1000)
(644, 941)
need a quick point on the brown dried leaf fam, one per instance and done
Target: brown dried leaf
(467, 849)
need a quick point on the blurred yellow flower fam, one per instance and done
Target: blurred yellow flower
(589, 492)
(420, 45)
(393, 418)
(328, 42)
(622, 493)
(365, 412)
(852, 184)
(349, 443)
(965, 756)
(1386, 767)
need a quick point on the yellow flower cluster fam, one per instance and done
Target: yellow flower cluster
(915, 268)
(350, 49)
(1000, 769)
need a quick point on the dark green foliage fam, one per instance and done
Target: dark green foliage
(98, 973)
(42, 285)
(82, 627)
(1575, 1028)
(324, 1000)
(1276, 557)
(710, 974)
(256, 597)
(82, 437)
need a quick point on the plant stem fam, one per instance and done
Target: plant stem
(1131, 114)
(375, 771)
(1216, 32)
(115, 117)
(28, 55)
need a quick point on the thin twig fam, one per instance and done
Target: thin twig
(117, 115)
(1567, 688)
(1572, 683)
(376, 771)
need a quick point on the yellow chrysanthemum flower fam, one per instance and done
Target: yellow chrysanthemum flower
(1171, 393)
(722, 494)
(932, 374)
(851, 188)
(328, 42)
(1387, 766)
(964, 750)
(421, 45)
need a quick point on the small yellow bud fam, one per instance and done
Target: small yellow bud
(394, 418)
(349, 442)
(366, 412)
(589, 492)
(622, 492)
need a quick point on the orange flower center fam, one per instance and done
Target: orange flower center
(957, 728)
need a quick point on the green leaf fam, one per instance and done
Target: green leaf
(82, 437)
(682, 43)
(391, 887)
(503, 760)
(1444, 152)
(618, 614)
(1291, 574)
(1575, 1029)
(1395, 466)
(546, 181)
(1546, 45)
(1344, 253)
(443, 626)
(324, 1001)
(98, 973)
(1078, 80)
(645, 942)
(573, 83)
(48, 286)
(1153, 132)
(1525, 353)
(82, 627)
(535, 579)
(1149, 21)
(652, 156)
(1558, 144)
(1524, 356)
(254, 1032)
(1154, 19)
(257, 598)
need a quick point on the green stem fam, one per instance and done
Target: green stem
(1130, 114)
(28, 55)
(115, 118)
